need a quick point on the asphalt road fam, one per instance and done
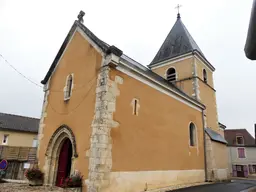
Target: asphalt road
(235, 186)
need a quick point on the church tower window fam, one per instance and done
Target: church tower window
(171, 75)
(205, 75)
(192, 134)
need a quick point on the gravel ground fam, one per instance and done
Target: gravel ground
(14, 187)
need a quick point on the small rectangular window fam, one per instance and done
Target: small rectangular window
(241, 152)
(5, 139)
(239, 140)
(135, 107)
(35, 143)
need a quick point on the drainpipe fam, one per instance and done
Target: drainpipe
(205, 162)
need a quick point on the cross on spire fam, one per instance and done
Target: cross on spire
(178, 7)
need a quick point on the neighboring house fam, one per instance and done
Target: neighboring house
(125, 126)
(242, 152)
(18, 130)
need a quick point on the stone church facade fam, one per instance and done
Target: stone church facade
(127, 127)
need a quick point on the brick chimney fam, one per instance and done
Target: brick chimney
(255, 133)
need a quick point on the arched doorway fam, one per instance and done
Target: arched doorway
(62, 145)
(64, 161)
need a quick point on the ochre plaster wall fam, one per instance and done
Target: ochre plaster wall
(200, 67)
(221, 155)
(207, 97)
(20, 139)
(158, 138)
(81, 59)
(186, 86)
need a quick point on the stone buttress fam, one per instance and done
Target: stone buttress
(99, 154)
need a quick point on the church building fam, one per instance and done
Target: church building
(127, 127)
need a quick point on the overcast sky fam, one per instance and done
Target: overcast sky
(31, 33)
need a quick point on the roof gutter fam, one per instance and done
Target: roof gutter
(202, 58)
(197, 104)
(17, 130)
(194, 52)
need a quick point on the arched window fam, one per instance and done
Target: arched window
(171, 75)
(68, 88)
(192, 134)
(205, 75)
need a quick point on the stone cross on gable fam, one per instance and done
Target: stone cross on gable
(80, 16)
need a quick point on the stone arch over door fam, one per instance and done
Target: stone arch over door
(53, 151)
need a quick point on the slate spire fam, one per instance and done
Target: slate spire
(178, 42)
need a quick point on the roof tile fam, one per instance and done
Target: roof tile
(178, 42)
(18, 123)
(230, 136)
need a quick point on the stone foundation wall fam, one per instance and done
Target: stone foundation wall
(215, 172)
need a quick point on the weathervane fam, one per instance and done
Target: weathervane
(80, 17)
(178, 7)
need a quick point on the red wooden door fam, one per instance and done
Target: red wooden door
(63, 162)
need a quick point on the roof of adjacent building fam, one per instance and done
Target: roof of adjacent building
(215, 136)
(112, 49)
(230, 136)
(178, 42)
(10, 122)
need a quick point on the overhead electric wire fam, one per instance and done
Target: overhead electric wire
(38, 85)
(78, 105)
(20, 72)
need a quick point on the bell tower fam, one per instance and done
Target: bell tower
(181, 62)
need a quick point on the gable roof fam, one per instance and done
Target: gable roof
(215, 136)
(10, 122)
(178, 42)
(106, 48)
(230, 136)
(101, 44)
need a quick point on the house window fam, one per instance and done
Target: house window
(135, 107)
(204, 75)
(35, 142)
(239, 140)
(171, 75)
(68, 87)
(239, 168)
(241, 152)
(192, 134)
(5, 140)
(254, 168)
